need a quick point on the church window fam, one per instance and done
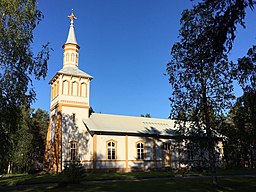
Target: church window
(75, 88)
(73, 151)
(83, 90)
(76, 58)
(65, 87)
(74, 117)
(166, 146)
(57, 88)
(72, 57)
(140, 151)
(67, 57)
(189, 151)
(111, 148)
(52, 93)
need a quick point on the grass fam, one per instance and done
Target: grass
(233, 181)
(229, 184)
(237, 171)
(125, 176)
(18, 179)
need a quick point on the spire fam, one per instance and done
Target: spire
(71, 34)
(71, 48)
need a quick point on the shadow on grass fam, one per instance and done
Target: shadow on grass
(24, 179)
(182, 185)
(157, 181)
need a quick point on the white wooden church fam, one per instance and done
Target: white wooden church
(103, 141)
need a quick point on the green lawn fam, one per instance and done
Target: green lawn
(17, 179)
(230, 182)
(187, 184)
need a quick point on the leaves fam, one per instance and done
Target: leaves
(18, 65)
(246, 70)
(241, 130)
(199, 71)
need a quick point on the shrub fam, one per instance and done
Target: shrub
(36, 167)
(73, 173)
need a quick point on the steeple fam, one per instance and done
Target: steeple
(71, 48)
(71, 35)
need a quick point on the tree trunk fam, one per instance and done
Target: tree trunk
(210, 141)
(9, 170)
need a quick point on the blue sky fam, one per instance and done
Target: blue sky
(125, 46)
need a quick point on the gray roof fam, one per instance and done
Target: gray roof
(128, 124)
(106, 123)
(74, 71)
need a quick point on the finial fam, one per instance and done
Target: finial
(72, 17)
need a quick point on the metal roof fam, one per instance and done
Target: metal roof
(129, 124)
(74, 71)
(118, 124)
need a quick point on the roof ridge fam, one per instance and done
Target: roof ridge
(146, 118)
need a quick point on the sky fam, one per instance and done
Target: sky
(125, 46)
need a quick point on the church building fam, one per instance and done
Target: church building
(103, 141)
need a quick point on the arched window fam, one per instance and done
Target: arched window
(74, 117)
(72, 57)
(73, 151)
(65, 87)
(52, 94)
(75, 88)
(76, 58)
(166, 146)
(140, 150)
(57, 88)
(67, 57)
(83, 90)
(54, 91)
(111, 148)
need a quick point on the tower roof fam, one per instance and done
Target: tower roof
(71, 34)
(72, 72)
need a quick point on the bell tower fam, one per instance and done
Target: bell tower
(69, 103)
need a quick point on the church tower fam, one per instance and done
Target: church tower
(69, 104)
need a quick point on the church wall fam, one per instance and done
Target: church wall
(148, 161)
(53, 115)
(102, 160)
(155, 155)
(73, 129)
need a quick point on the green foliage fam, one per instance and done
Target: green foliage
(72, 174)
(246, 70)
(241, 132)
(199, 71)
(29, 140)
(147, 115)
(22, 145)
(18, 64)
(38, 128)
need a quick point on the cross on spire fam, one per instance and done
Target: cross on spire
(71, 35)
(72, 17)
